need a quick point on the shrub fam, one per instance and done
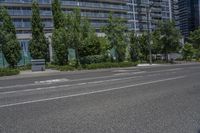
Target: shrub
(109, 65)
(25, 67)
(92, 59)
(8, 72)
(65, 68)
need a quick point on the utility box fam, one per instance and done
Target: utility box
(38, 65)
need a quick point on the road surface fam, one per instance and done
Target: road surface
(159, 99)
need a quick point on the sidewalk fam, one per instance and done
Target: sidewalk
(29, 73)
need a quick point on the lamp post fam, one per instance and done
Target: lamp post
(148, 9)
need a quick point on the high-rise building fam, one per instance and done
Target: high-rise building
(189, 16)
(97, 11)
(175, 11)
(159, 10)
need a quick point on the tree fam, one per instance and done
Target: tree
(39, 45)
(60, 46)
(115, 33)
(169, 38)
(91, 44)
(58, 16)
(9, 43)
(104, 45)
(134, 47)
(74, 32)
(194, 38)
(188, 51)
(156, 46)
(60, 41)
(143, 45)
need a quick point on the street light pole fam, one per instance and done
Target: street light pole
(149, 33)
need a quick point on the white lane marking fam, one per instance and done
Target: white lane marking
(33, 84)
(78, 84)
(129, 73)
(126, 70)
(72, 85)
(91, 92)
(51, 81)
(15, 86)
(168, 70)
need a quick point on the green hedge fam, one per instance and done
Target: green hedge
(65, 68)
(8, 72)
(93, 59)
(61, 68)
(110, 65)
(93, 66)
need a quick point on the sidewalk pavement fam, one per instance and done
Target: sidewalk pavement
(29, 73)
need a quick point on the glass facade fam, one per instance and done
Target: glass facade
(159, 10)
(189, 16)
(96, 10)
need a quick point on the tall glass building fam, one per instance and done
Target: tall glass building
(97, 11)
(189, 16)
(160, 10)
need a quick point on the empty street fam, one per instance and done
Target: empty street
(157, 99)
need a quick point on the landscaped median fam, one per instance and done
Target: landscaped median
(94, 66)
(8, 72)
(16, 71)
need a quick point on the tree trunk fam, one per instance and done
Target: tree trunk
(77, 57)
(166, 57)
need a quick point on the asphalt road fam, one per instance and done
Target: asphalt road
(159, 99)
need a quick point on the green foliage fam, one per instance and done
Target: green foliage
(134, 47)
(195, 38)
(60, 40)
(93, 66)
(188, 51)
(110, 65)
(115, 33)
(143, 45)
(9, 44)
(25, 67)
(91, 44)
(58, 16)
(7, 24)
(156, 45)
(39, 45)
(60, 46)
(168, 37)
(197, 54)
(74, 32)
(66, 68)
(11, 50)
(8, 72)
(93, 59)
(104, 44)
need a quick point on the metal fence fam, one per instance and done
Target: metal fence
(25, 59)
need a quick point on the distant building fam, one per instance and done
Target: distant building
(189, 16)
(160, 10)
(97, 11)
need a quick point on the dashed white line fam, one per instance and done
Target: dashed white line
(110, 76)
(91, 92)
